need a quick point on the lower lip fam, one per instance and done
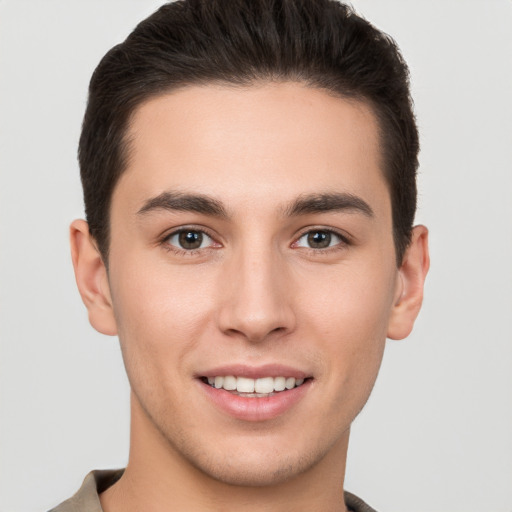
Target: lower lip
(254, 408)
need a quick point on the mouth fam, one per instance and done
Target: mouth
(256, 394)
(262, 387)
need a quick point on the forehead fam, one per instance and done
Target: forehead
(259, 142)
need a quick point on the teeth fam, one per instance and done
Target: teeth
(244, 385)
(254, 387)
(229, 383)
(289, 384)
(265, 385)
(279, 383)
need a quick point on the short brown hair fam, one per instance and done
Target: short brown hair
(321, 43)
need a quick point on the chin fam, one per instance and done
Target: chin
(254, 470)
(256, 460)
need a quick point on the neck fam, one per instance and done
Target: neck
(159, 478)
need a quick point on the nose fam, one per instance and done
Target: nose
(257, 297)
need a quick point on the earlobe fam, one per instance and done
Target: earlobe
(411, 276)
(91, 278)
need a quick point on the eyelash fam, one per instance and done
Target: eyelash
(165, 241)
(343, 243)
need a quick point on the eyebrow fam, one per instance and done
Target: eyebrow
(328, 202)
(173, 201)
(303, 205)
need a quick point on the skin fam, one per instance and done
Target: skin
(255, 293)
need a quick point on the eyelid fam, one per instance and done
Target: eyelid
(345, 239)
(164, 239)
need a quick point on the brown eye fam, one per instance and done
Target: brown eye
(189, 239)
(319, 239)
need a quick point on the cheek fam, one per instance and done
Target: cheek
(350, 317)
(158, 315)
(352, 304)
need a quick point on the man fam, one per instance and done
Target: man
(249, 182)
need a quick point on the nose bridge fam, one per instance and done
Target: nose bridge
(257, 301)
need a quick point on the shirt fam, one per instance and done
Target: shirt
(87, 498)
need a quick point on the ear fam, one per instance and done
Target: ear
(411, 278)
(91, 278)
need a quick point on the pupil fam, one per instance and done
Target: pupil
(319, 239)
(191, 239)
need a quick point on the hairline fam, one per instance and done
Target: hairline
(356, 99)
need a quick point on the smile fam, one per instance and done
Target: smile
(255, 393)
(258, 388)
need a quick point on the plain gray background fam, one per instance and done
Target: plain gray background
(436, 434)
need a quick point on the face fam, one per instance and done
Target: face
(252, 275)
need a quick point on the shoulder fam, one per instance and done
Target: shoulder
(87, 497)
(355, 504)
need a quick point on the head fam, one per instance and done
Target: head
(322, 44)
(249, 179)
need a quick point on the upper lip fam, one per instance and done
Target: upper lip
(255, 372)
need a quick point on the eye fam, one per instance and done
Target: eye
(319, 239)
(189, 239)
